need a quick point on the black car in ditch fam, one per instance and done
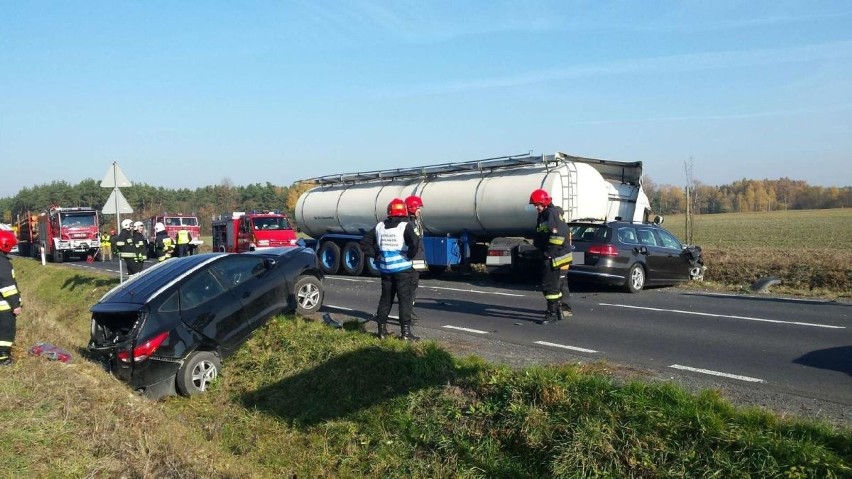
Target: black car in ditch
(167, 329)
(631, 255)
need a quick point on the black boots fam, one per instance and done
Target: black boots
(407, 335)
(382, 331)
(553, 313)
(6, 357)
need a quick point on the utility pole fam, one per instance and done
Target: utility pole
(690, 207)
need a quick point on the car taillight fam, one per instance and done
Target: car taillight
(498, 252)
(144, 350)
(603, 250)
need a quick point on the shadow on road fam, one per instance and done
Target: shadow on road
(832, 359)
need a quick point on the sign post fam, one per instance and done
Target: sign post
(116, 204)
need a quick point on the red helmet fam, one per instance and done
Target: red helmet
(397, 208)
(7, 240)
(412, 203)
(540, 197)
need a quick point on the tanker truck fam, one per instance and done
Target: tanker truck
(474, 212)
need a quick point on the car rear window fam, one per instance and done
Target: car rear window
(589, 232)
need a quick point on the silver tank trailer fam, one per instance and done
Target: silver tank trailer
(485, 203)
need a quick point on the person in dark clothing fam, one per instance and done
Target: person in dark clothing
(393, 244)
(182, 240)
(551, 238)
(125, 246)
(414, 204)
(141, 244)
(164, 246)
(10, 298)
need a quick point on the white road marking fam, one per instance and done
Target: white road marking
(356, 280)
(717, 373)
(422, 286)
(457, 328)
(471, 291)
(695, 313)
(563, 346)
(792, 300)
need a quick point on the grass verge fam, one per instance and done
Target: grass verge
(301, 399)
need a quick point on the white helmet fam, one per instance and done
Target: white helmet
(126, 224)
(138, 224)
(159, 227)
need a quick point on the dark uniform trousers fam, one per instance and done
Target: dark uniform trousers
(400, 285)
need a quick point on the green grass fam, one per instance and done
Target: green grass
(303, 400)
(815, 229)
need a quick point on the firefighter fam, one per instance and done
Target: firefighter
(182, 239)
(10, 298)
(551, 238)
(413, 204)
(106, 246)
(394, 244)
(126, 248)
(140, 243)
(164, 245)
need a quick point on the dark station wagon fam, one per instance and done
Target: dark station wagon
(631, 255)
(167, 329)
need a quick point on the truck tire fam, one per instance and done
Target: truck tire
(57, 256)
(370, 267)
(352, 259)
(329, 257)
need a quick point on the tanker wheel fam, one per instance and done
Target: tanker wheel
(370, 267)
(352, 259)
(329, 257)
(58, 256)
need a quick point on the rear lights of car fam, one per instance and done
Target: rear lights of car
(144, 350)
(498, 252)
(603, 250)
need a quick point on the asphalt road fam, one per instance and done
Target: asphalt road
(779, 347)
(800, 347)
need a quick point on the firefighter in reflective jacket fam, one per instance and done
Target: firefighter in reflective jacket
(164, 246)
(182, 239)
(106, 247)
(394, 244)
(414, 204)
(551, 238)
(10, 298)
(127, 246)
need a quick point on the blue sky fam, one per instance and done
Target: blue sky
(187, 94)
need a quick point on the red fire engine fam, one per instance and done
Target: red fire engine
(241, 231)
(174, 222)
(61, 232)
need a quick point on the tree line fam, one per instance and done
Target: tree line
(206, 202)
(210, 201)
(746, 196)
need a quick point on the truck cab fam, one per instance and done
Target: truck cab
(174, 222)
(251, 231)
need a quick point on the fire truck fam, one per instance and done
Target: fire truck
(173, 224)
(61, 233)
(240, 231)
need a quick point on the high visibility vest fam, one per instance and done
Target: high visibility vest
(182, 237)
(393, 248)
